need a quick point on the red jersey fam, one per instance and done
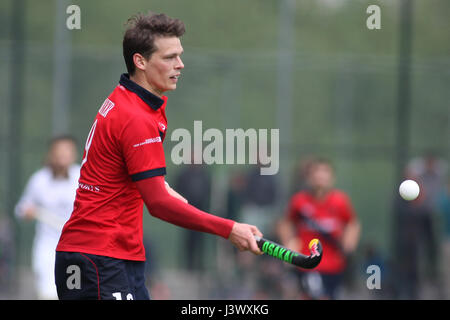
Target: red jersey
(123, 146)
(330, 214)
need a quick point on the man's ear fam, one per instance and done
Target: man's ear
(139, 61)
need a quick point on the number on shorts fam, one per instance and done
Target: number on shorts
(118, 296)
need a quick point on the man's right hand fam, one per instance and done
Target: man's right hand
(29, 213)
(243, 237)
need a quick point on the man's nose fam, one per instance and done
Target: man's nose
(180, 64)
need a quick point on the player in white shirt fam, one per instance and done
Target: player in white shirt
(48, 197)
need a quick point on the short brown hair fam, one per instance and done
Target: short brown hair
(60, 138)
(321, 161)
(141, 32)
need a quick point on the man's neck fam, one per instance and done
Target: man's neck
(320, 193)
(60, 173)
(139, 79)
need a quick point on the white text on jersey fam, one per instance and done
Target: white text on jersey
(147, 141)
(106, 107)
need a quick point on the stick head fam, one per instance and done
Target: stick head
(315, 247)
(313, 260)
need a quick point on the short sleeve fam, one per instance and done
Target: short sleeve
(142, 149)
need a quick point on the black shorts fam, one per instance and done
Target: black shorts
(88, 276)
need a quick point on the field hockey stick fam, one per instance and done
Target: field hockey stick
(297, 259)
(49, 218)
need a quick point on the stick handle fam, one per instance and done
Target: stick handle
(49, 218)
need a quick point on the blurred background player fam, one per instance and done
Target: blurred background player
(51, 192)
(407, 237)
(326, 213)
(418, 233)
(430, 172)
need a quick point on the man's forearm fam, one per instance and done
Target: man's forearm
(350, 236)
(162, 205)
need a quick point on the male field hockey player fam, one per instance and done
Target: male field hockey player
(123, 167)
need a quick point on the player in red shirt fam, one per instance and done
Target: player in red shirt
(100, 254)
(327, 214)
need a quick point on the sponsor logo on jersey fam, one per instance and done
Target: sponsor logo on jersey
(106, 107)
(88, 187)
(147, 141)
(162, 127)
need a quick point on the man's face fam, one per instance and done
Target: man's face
(164, 66)
(62, 155)
(321, 176)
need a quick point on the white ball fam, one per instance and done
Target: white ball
(409, 190)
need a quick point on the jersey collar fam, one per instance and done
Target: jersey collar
(149, 98)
